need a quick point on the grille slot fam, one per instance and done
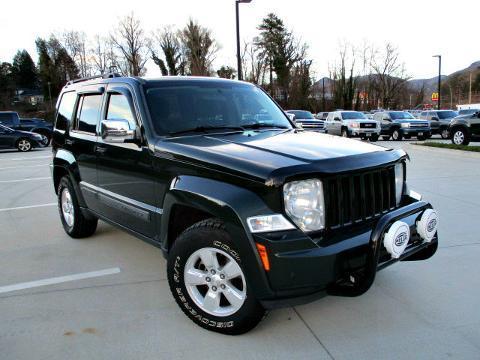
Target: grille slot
(358, 197)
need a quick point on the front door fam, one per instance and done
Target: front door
(475, 124)
(126, 183)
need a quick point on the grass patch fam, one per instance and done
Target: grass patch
(472, 148)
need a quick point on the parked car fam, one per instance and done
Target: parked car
(465, 128)
(401, 124)
(352, 124)
(21, 140)
(439, 121)
(39, 126)
(251, 214)
(306, 120)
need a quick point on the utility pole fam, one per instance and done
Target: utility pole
(239, 57)
(323, 92)
(470, 90)
(439, 80)
(50, 95)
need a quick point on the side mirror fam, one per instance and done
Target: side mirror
(337, 119)
(478, 114)
(117, 131)
(292, 117)
(435, 118)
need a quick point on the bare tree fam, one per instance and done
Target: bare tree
(254, 65)
(200, 48)
(129, 39)
(102, 55)
(75, 42)
(343, 73)
(389, 74)
(168, 42)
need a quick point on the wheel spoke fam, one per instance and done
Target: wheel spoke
(209, 259)
(231, 270)
(234, 297)
(195, 277)
(212, 301)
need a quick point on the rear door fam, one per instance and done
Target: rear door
(7, 139)
(126, 182)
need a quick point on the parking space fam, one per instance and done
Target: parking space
(125, 310)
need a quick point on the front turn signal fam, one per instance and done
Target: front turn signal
(262, 251)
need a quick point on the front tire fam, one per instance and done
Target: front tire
(75, 224)
(24, 145)
(206, 277)
(460, 137)
(397, 135)
(444, 133)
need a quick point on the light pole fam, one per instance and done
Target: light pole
(50, 95)
(439, 79)
(239, 60)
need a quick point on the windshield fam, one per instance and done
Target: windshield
(400, 115)
(183, 106)
(299, 114)
(351, 115)
(446, 114)
(468, 111)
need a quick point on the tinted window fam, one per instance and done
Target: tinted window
(352, 115)
(6, 118)
(119, 108)
(182, 106)
(65, 110)
(446, 114)
(88, 113)
(400, 115)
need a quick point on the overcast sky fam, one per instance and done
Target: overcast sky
(419, 28)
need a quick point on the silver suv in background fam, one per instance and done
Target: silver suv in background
(352, 124)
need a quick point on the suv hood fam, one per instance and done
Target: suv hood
(274, 156)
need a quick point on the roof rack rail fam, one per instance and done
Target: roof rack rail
(102, 76)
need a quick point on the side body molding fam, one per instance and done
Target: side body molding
(233, 205)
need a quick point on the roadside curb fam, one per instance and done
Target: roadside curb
(470, 154)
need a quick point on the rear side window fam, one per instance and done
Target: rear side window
(6, 119)
(65, 110)
(88, 113)
(119, 109)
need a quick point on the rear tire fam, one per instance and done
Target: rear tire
(345, 133)
(374, 138)
(444, 133)
(206, 277)
(75, 224)
(24, 145)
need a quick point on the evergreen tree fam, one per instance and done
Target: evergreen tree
(24, 70)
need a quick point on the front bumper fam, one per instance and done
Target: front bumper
(416, 131)
(344, 262)
(354, 132)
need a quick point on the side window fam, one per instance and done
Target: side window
(88, 113)
(119, 108)
(6, 119)
(65, 110)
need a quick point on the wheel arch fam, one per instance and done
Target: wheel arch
(64, 163)
(207, 198)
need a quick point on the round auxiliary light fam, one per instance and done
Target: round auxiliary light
(427, 225)
(396, 239)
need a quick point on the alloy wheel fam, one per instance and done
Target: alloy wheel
(24, 145)
(215, 282)
(68, 211)
(458, 137)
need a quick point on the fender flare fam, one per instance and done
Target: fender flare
(65, 160)
(230, 203)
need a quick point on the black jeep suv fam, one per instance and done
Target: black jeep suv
(464, 128)
(250, 212)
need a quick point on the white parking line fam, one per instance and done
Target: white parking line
(22, 180)
(23, 167)
(28, 207)
(58, 280)
(33, 157)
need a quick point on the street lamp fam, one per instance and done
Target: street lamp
(239, 60)
(439, 79)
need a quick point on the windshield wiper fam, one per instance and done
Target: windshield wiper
(263, 126)
(203, 129)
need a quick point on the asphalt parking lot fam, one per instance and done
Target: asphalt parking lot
(124, 310)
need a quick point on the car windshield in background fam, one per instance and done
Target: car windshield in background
(352, 115)
(301, 114)
(468, 111)
(401, 115)
(177, 107)
(446, 114)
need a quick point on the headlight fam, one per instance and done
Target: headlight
(399, 181)
(405, 125)
(354, 125)
(304, 204)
